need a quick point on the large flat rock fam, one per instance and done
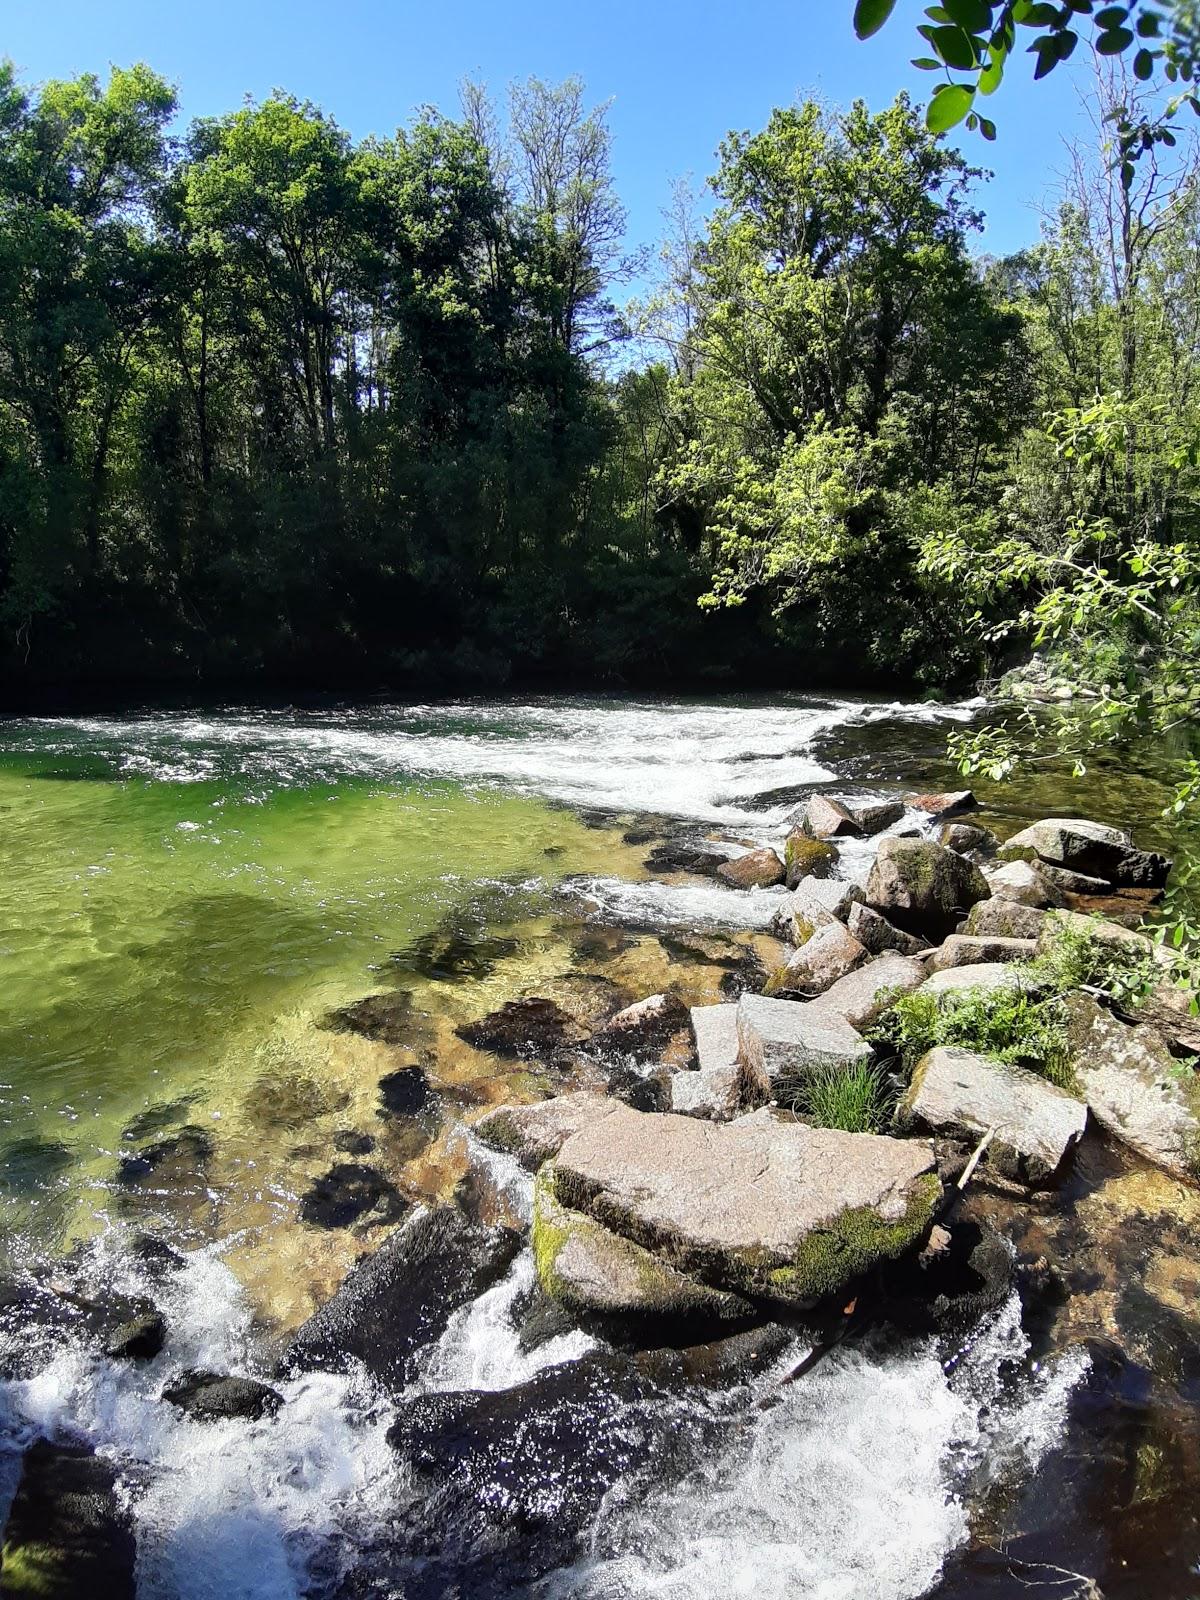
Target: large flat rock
(724, 1085)
(785, 1041)
(1090, 848)
(1135, 1088)
(956, 1092)
(764, 1206)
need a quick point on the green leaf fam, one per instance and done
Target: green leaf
(948, 107)
(1148, 24)
(988, 129)
(1112, 16)
(1143, 65)
(989, 78)
(927, 63)
(972, 16)
(956, 48)
(1046, 51)
(1040, 16)
(1114, 41)
(870, 16)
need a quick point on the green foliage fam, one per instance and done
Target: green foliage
(855, 1098)
(1019, 1027)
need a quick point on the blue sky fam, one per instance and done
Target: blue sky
(680, 73)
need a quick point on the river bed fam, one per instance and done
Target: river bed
(185, 902)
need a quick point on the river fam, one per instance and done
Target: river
(185, 900)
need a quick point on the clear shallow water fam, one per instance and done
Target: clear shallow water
(181, 897)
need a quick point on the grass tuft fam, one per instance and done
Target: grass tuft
(856, 1098)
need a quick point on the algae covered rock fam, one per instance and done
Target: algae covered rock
(763, 1207)
(805, 857)
(820, 901)
(70, 1533)
(922, 887)
(959, 1093)
(599, 1275)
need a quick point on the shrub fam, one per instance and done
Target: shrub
(1013, 1025)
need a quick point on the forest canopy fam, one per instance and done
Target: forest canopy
(279, 406)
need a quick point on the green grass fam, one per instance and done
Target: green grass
(856, 1099)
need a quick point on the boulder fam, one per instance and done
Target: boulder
(922, 887)
(214, 1397)
(986, 977)
(946, 1290)
(873, 816)
(1089, 848)
(1073, 882)
(968, 839)
(535, 1133)
(757, 869)
(723, 1086)
(820, 901)
(969, 950)
(1136, 1090)
(644, 1026)
(824, 818)
(645, 1088)
(821, 960)
(526, 1027)
(681, 855)
(1103, 932)
(1000, 918)
(400, 1298)
(805, 857)
(864, 995)
(70, 1533)
(1024, 884)
(951, 804)
(602, 1278)
(1169, 1009)
(785, 1042)
(879, 936)
(959, 1094)
(383, 1018)
(139, 1338)
(765, 1207)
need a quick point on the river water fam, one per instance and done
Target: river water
(184, 901)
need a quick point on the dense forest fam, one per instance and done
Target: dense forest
(280, 408)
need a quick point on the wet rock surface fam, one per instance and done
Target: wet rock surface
(69, 1535)
(351, 1193)
(216, 1397)
(399, 1299)
(526, 1027)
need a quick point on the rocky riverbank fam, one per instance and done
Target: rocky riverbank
(764, 1157)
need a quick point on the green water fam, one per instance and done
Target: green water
(153, 934)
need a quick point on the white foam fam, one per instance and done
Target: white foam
(651, 904)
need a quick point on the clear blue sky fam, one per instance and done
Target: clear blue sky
(680, 73)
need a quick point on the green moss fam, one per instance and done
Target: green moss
(805, 857)
(778, 978)
(32, 1569)
(550, 1231)
(829, 1258)
(804, 929)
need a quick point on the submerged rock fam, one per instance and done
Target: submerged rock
(922, 887)
(763, 1207)
(69, 1535)
(403, 1093)
(400, 1298)
(879, 936)
(526, 1027)
(683, 856)
(535, 1133)
(644, 1026)
(948, 1290)
(1089, 848)
(351, 1192)
(215, 1397)
(383, 1018)
(1136, 1090)
(757, 869)
(958, 1093)
(784, 1042)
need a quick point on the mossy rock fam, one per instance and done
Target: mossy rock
(599, 1275)
(805, 857)
(855, 1241)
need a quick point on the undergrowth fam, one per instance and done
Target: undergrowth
(1026, 1029)
(856, 1099)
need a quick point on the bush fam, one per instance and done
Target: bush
(1013, 1025)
